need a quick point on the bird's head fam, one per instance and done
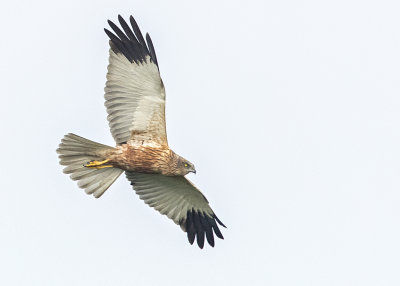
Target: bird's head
(185, 166)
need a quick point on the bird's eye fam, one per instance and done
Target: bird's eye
(186, 165)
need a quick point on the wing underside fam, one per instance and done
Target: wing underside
(134, 92)
(181, 201)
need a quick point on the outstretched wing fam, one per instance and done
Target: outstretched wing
(181, 201)
(134, 92)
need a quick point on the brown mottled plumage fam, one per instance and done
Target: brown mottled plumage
(147, 159)
(135, 102)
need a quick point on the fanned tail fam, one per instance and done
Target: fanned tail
(75, 152)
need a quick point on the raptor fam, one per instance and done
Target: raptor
(135, 103)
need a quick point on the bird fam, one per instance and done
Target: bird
(135, 103)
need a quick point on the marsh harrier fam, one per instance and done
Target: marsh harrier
(135, 102)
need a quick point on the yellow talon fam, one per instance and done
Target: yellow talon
(98, 164)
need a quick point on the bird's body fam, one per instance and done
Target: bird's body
(135, 103)
(153, 159)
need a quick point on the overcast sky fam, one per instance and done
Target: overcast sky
(288, 109)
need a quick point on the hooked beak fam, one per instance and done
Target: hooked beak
(193, 171)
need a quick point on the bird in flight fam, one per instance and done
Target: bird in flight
(135, 103)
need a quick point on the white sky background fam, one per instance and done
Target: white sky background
(288, 109)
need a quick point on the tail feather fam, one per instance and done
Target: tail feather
(74, 152)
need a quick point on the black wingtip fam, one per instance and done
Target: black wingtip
(208, 230)
(200, 232)
(130, 41)
(220, 222)
(132, 20)
(151, 48)
(191, 237)
(190, 229)
(199, 226)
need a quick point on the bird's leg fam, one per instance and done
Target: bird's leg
(97, 164)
